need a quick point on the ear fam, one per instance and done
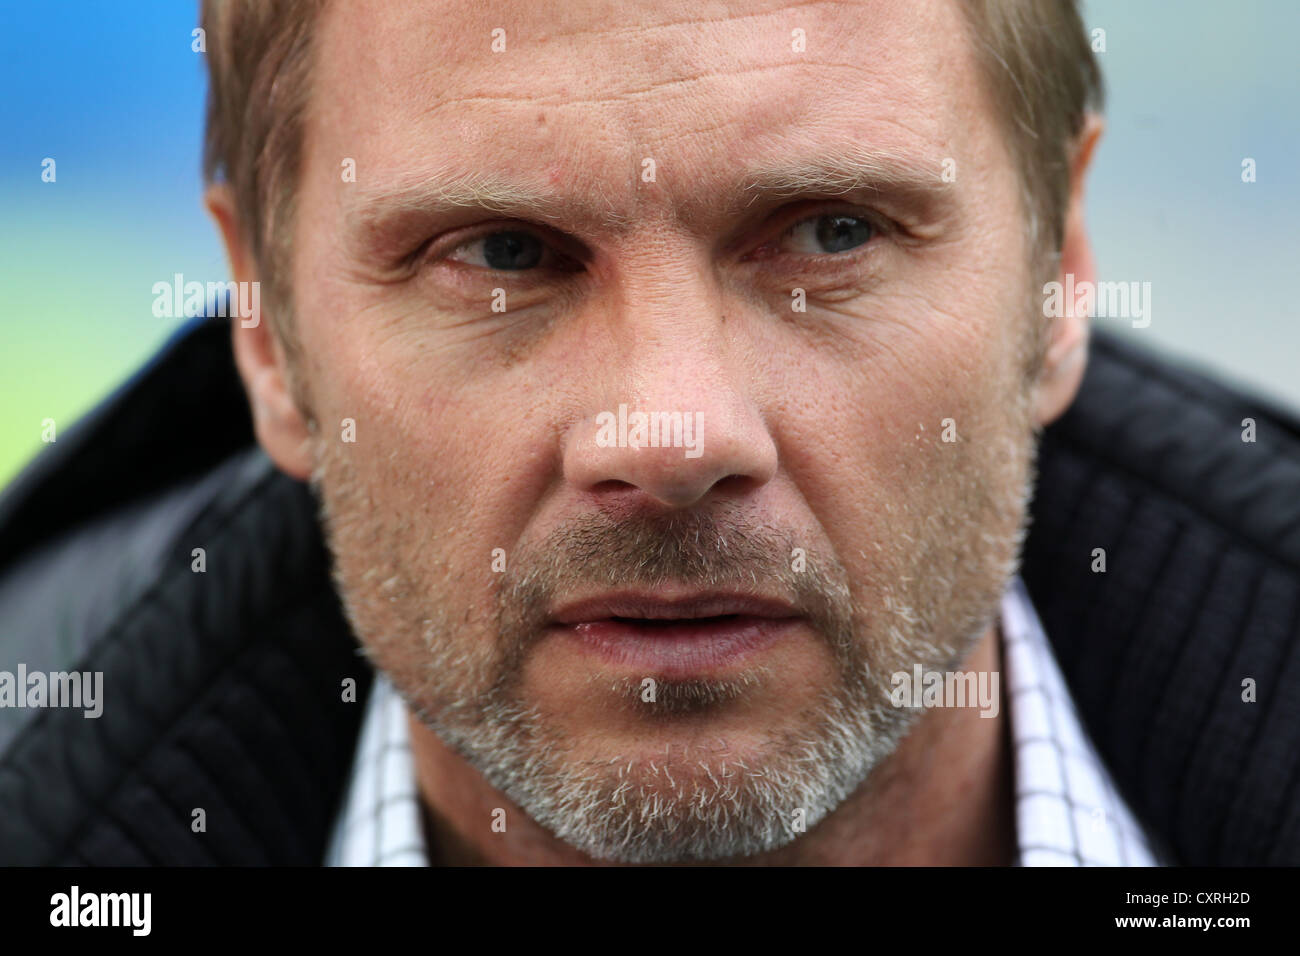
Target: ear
(281, 427)
(1067, 349)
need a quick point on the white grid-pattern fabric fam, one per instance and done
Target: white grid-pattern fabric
(379, 824)
(1068, 811)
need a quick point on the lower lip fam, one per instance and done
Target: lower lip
(689, 649)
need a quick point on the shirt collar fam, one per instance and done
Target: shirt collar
(1068, 810)
(379, 824)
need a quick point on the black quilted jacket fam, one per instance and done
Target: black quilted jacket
(222, 689)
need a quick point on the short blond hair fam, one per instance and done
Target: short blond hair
(1040, 72)
(259, 55)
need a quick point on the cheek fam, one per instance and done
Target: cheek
(867, 446)
(455, 465)
(872, 405)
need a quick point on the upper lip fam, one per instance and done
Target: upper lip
(684, 606)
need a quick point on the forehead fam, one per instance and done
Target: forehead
(583, 93)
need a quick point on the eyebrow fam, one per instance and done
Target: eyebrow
(851, 170)
(385, 219)
(441, 197)
(905, 186)
(390, 216)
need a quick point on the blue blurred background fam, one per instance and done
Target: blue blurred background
(114, 94)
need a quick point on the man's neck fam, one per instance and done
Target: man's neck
(945, 797)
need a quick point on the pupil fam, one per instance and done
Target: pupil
(837, 233)
(512, 250)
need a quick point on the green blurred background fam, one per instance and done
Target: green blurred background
(115, 95)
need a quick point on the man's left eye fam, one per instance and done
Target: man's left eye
(829, 234)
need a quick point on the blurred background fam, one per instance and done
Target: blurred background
(114, 94)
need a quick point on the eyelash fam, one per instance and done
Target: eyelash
(879, 225)
(880, 229)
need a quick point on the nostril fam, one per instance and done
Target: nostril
(735, 484)
(611, 486)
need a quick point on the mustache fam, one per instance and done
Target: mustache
(729, 550)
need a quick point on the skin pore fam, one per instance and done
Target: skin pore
(476, 429)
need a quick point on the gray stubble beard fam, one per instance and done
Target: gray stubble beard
(637, 810)
(933, 602)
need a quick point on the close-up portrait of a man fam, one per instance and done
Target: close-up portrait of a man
(657, 434)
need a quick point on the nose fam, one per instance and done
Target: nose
(670, 420)
(675, 455)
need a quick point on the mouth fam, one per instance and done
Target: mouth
(690, 634)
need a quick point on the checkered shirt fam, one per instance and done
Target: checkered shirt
(1068, 811)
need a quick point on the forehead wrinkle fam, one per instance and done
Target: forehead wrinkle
(560, 24)
(683, 87)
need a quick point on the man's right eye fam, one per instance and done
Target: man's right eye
(509, 250)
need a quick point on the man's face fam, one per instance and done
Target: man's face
(660, 652)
